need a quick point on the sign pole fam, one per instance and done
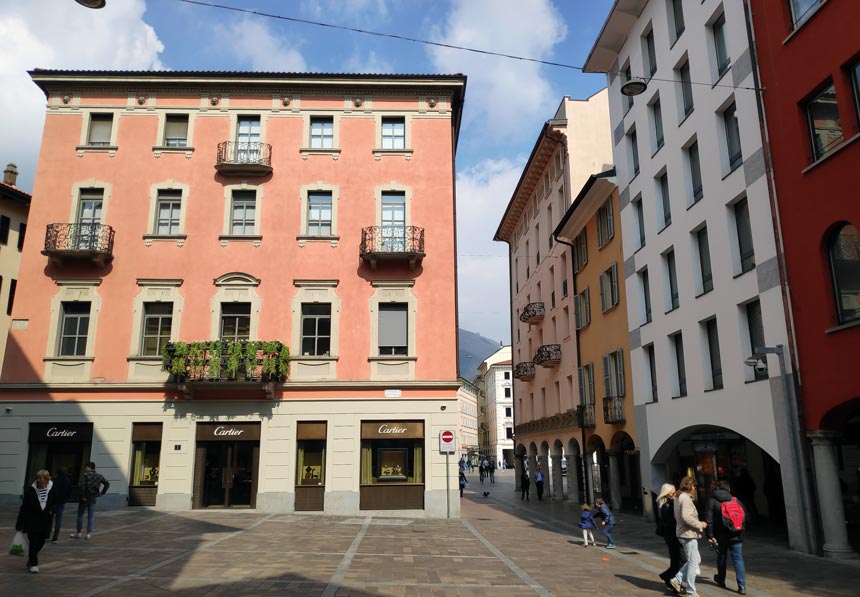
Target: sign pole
(448, 483)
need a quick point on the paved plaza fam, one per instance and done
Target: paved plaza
(501, 546)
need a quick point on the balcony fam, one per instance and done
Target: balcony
(613, 409)
(532, 313)
(403, 244)
(83, 242)
(588, 421)
(524, 371)
(244, 159)
(563, 421)
(548, 355)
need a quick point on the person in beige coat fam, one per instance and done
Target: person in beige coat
(689, 529)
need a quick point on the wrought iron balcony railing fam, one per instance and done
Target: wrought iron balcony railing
(79, 241)
(548, 355)
(524, 371)
(532, 313)
(392, 243)
(587, 420)
(613, 409)
(244, 158)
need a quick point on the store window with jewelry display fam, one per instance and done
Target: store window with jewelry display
(392, 465)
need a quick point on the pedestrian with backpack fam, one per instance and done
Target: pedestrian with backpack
(93, 486)
(726, 518)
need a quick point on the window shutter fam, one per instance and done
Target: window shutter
(176, 127)
(610, 225)
(582, 385)
(100, 128)
(603, 291)
(587, 294)
(590, 383)
(619, 364)
(754, 321)
(607, 380)
(392, 325)
(614, 277)
(577, 311)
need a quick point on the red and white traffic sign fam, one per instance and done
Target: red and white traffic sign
(446, 442)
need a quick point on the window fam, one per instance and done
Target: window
(609, 288)
(640, 220)
(657, 119)
(686, 88)
(393, 332)
(22, 230)
(613, 374)
(509, 411)
(744, 232)
(586, 384)
(393, 221)
(663, 183)
(243, 213)
(695, 171)
(822, 114)
(704, 260)
(13, 285)
(168, 209)
(5, 224)
(89, 218)
(74, 328)
(316, 329)
(845, 266)
(714, 354)
(537, 244)
(755, 327)
(650, 53)
(507, 392)
(100, 129)
(322, 132)
(582, 309)
(634, 152)
(146, 448)
(176, 130)
(580, 251)
(507, 375)
(720, 49)
(509, 433)
(677, 13)
(802, 10)
(319, 213)
(674, 300)
(393, 132)
(678, 344)
(247, 139)
(157, 322)
(645, 283)
(235, 321)
(628, 99)
(605, 225)
(652, 369)
(733, 136)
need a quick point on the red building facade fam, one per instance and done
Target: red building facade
(808, 54)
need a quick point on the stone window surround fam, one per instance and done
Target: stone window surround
(303, 236)
(235, 287)
(159, 148)
(151, 234)
(393, 291)
(306, 150)
(314, 291)
(106, 187)
(84, 145)
(407, 150)
(226, 235)
(234, 123)
(154, 291)
(72, 291)
(396, 187)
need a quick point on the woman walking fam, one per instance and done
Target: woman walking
(666, 527)
(63, 489)
(524, 484)
(587, 524)
(36, 515)
(688, 529)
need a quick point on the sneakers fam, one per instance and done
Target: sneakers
(610, 546)
(719, 581)
(34, 569)
(742, 590)
(75, 535)
(88, 537)
(676, 586)
(54, 541)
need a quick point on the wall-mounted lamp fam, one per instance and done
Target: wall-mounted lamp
(634, 86)
(91, 3)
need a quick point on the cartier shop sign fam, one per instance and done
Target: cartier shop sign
(392, 429)
(228, 432)
(61, 432)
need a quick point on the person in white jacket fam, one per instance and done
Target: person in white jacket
(688, 530)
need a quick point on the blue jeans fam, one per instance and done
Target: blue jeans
(607, 530)
(687, 574)
(58, 521)
(736, 550)
(90, 508)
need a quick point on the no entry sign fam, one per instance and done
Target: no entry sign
(446, 442)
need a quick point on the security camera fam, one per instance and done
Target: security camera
(761, 366)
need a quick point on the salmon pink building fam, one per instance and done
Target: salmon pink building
(239, 291)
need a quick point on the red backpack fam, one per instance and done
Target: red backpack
(734, 517)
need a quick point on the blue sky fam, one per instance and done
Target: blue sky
(507, 101)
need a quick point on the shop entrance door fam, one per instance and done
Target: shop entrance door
(229, 474)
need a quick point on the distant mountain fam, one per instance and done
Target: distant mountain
(474, 348)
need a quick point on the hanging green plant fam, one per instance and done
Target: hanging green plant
(269, 365)
(214, 362)
(234, 358)
(198, 358)
(251, 348)
(284, 362)
(175, 358)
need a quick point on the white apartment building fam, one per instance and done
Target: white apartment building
(701, 270)
(467, 404)
(497, 379)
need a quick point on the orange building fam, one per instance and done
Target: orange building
(246, 293)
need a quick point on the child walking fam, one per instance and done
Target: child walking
(587, 524)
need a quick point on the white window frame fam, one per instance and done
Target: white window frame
(227, 235)
(152, 290)
(308, 150)
(72, 368)
(314, 367)
(406, 151)
(152, 234)
(393, 367)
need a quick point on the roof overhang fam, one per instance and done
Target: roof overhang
(592, 195)
(622, 17)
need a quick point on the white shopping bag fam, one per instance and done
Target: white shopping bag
(20, 545)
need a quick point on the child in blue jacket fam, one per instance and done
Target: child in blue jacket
(587, 524)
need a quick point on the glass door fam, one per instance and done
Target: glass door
(248, 139)
(89, 219)
(241, 474)
(393, 223)
(215, 473)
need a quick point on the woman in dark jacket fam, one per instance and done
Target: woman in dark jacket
(36, 515)
(63, 490)
(666, 524)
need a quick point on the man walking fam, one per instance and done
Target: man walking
(723, 510)
(608, 521)
(539, 483)
(688, 530)
(492, 471)
(93, 486)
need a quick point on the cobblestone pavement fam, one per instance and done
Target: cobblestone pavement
(500, 547)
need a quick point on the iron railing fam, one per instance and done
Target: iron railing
(251, 153)
(532, 313)
(548, 355)
(524, 371)
(587, 419)
(392, 239)
(79, 238)
(613, 409)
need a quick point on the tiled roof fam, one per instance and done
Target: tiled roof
(11, 192)
(238, 73)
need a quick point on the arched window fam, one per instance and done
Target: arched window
(845, 264)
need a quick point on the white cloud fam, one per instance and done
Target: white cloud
(62, 34)
(483, 192)
(254, 43)
(354, 12)
(371, 63)
(503, 95)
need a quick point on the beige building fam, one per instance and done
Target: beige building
(467, 405)
(14, 209)
(571, 146)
